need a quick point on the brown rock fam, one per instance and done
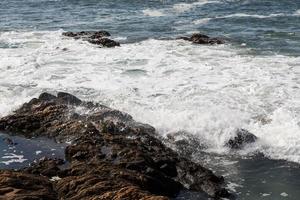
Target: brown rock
(23, 186)
(111, 155)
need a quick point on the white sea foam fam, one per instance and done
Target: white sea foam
(183, 7)
(202, 21)
(244, 15)
(206, 90)
(177, 8)
(10, 158)
(232, 186)
(297, 12)
(251, 15)
(284, 194)
(38, 152)
(153, 13)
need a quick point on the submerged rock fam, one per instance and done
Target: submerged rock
(242, 138)
(198, 38)
(111, 156)
(94, 37)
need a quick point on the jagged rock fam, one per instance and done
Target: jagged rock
(111, 156)
(24, 186)
(242, 138)
(198, 38)
(46, 167)
(94, 37)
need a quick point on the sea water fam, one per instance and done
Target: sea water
(251, 82)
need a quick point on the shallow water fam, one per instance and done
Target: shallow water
(251, 82)
(255, 176)
(17, 152)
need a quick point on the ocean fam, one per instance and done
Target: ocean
(251, 82)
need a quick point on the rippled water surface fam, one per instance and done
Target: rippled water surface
(268, 25)
(251, 82)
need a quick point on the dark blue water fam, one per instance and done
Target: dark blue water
(17, 152)
(268, 26)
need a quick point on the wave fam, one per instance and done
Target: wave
(183, 7)
(296, 13)
(202, 21)
(208, 91)
(253, 16)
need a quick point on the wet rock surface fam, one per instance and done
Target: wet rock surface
(94, 37)
(111, 156)
(184, 143)
(198, 38)
(242, 138)
(24, 186)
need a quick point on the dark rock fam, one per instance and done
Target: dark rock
(94, 37)
(46, 167)
(111, 156)
(198, 38)
(186, 144)
(104, 42)
(46, 97)
(68, 98)
(242, 138)
(88, 34)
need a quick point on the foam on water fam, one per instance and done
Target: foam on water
(202, 21)
(153, 13)
(183, 7)
(177, 8)
(206, 90)
(296, 13)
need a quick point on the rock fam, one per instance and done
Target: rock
(104, 42)
(87, 34)
(242, 138)
(111, 156)
(198, 38)
(45, 167)
(94, 37)
(24, 186)
(185, 143)
(66, 98)
(46, 97)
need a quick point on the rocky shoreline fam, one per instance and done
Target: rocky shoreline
(111, 156)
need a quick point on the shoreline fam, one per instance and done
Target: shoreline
(130, 160)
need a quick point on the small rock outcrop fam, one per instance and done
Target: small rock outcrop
(198, 38)
(242, 138)
(111, 156)
(94, 37)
